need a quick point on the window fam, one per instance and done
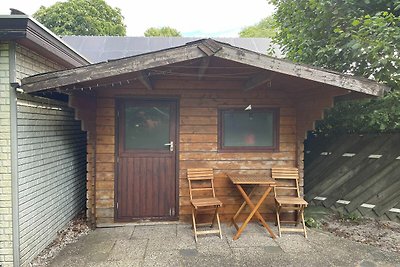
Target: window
(255, 129)
(146, 127)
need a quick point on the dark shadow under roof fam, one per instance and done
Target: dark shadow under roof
(103, 48)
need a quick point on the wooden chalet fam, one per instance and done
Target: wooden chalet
(152, 116)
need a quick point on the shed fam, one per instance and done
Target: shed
(206, 103)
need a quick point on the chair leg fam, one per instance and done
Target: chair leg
(214, 217)
(278, 220)
(302, 220)
(296, 216)
(218, 221)
(194, 223)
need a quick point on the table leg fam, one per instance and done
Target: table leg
(267, 191)
(254, 211)
(240, 209)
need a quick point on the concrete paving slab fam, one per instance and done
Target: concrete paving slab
(256, 251)
(252, 240)
(208, 261)
(111, 233)
(252, 228)
(155, 231)
(124, 232)
(294, 243)
(124, 250)
(102, 246)
(163, 258)
(184, 230)
(171, 243)
(213, 245)
(134, 263)
(66, 261)
(188, 252)
(254, 248)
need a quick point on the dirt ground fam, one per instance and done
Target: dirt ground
(382, 234)
(75, 229)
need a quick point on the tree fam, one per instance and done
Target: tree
(163, 31)
(359, 37)
(265, 28)
(82, 17)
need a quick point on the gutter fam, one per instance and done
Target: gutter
(29, 32)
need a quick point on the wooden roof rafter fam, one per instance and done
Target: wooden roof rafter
(144, 77)
(259, 79)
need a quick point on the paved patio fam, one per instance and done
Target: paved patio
(174, 245)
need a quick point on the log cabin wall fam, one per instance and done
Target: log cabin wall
(199, 102)
(85, 111)
(310, 107)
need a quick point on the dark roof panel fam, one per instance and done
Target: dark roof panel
(103, 48)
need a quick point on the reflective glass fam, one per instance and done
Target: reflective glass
(248, 129)
(147, 127)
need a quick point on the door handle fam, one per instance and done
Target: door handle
(171, 146)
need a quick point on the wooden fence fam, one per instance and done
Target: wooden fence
(355, 174)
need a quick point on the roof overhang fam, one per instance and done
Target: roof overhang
(194, 50)
(30, 33)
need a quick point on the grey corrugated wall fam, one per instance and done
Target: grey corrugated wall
(51, 171)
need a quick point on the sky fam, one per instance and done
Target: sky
(206, 18)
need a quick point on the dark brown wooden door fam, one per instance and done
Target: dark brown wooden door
(146, 160)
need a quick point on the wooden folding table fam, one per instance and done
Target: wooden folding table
(257, 182)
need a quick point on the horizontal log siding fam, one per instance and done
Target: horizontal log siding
(198, 145)
(105, 160)
(85, 110)
(310, 107)
(52, 171)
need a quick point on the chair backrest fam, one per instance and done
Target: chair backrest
(201, 182)
(287, 181)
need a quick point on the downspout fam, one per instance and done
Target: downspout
(14, 84)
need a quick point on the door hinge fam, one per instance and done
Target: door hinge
(118, 113)
(117, 205)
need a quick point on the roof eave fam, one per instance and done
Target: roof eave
(28, 32)
(283, 66)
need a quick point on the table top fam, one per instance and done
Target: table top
(251, 179)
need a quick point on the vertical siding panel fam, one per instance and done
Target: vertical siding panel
(129, 187)
(136, 186)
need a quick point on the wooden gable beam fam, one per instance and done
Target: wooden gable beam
(302, 71)
(205, 62)
(145, 79)
(209, 46)
(258, 79)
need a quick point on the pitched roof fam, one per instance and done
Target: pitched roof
(103, 48)
(197, 50)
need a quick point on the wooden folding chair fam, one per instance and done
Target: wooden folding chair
(287, 198)
(202, 197)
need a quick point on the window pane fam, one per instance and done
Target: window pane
(248, 129)
(147, 127)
